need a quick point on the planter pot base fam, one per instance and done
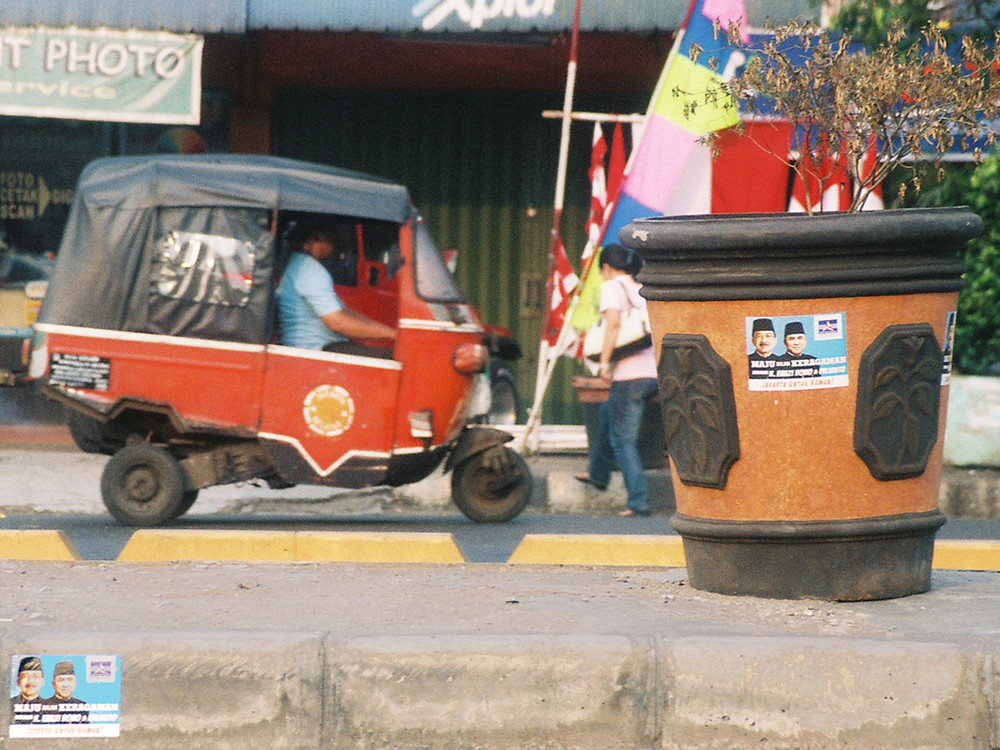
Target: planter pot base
(849, 560)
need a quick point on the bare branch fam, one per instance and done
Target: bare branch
(840, 99)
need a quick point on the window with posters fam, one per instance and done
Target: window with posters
(42, 158)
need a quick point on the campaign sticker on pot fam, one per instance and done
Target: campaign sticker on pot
(949, 346)
(59, 695)
(796, 352)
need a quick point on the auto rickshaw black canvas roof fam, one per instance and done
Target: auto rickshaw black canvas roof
(138, 182)
(124, 207)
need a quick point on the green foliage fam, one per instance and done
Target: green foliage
(977, 333)
(946, 187)
(870, 21)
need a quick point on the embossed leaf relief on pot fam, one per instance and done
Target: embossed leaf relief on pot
(899, 399)
(699, 410)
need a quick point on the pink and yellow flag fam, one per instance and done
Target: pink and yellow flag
(670, 171)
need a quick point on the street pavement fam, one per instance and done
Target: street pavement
(447, 654)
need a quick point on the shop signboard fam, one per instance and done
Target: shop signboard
(103, 75)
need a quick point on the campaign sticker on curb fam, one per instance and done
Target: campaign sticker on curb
(796, 352)
(56, 695)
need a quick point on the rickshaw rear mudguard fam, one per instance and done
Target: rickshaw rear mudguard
(475, 439)
(134, 412)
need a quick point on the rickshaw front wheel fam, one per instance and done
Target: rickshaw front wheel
(491, 486)
(143, 485)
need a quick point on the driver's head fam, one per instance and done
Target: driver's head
(321, 243)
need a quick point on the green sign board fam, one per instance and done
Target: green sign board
(117, 76)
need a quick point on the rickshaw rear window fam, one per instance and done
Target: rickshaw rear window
(434, 281)
(209, 273)
(204, 268)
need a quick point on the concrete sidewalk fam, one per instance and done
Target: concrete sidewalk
(47, 477)
(40, 474)
(235, 655)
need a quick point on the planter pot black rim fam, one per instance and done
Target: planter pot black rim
(795, 256)
(763, 230)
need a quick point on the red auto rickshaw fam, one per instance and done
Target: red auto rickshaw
(159, 333)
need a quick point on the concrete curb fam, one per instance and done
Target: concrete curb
(971, 492)
(227, 656)
(299, 690)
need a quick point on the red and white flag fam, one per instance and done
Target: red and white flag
(561, 287)
(828, 188)
(598, 197)
(616, 169)
(874, 201)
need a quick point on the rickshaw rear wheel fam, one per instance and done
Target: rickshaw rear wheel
(94, 436)
(492, 486)
(85, 431)
(143, 485)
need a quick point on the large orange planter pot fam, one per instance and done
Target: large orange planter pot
(799, 477)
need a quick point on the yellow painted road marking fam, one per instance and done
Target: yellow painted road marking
(595, 549)
(35, 544)
(668, 551)
(163, 545)
(966, 554)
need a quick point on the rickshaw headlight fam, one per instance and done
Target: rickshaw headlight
(470, 359)
(422, 424)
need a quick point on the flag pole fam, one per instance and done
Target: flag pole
(545, 376)
(531, 437)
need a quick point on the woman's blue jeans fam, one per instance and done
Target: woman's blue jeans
(618, 422)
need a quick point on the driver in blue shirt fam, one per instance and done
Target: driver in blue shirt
(310, 312)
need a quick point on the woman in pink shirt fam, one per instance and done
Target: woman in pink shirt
(633, 382)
